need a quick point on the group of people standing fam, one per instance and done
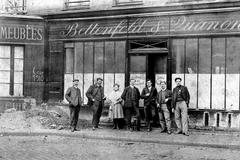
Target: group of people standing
(126, 104)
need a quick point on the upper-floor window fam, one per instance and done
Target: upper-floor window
(77, 4)
(127, 2)
(13, 6)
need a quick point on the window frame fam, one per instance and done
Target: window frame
(116, 3)
(78, 5)
(12, 70)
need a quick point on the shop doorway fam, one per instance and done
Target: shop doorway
(148, 60)
(150, 66)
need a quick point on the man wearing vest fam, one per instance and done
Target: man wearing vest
(164, 106)
(73, 96)
(180, 101)
(96, 99)
(131, 96)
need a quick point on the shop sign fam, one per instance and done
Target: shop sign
(158, 25)
(29, 33)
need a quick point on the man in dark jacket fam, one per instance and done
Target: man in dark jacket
(96, 99)
(164, 106)
(180, 101)
(149, 94)
(73, 96)
(131, 96)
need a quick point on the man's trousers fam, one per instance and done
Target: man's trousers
(181, 116)
(97, 112)
(164, 117)
(74, 114)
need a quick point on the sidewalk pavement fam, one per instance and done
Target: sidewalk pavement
(226, 140)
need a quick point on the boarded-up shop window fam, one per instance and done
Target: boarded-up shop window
(232, 73)
(178, 56)
(218, 70)
(191, 70)
(5, 52)
(11, 70)
(204, 76)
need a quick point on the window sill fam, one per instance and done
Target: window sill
(76, 8)
(128, 4)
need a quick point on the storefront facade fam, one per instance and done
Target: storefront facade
(201, 46)
(21, 59)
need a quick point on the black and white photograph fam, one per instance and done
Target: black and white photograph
(119, 79)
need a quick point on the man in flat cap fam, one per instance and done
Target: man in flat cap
(180, 101)
(95, 95)
(73, 96)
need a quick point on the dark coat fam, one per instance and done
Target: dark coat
(168, 95)
(73, 96)
(184, 93)
(127, 97)
(151, 99)
(92, 92)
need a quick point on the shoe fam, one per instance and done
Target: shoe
(99, 127)
(169, 132)
(75, 129)
(72, 130)
(114, 127)
(178, 132)
(186, 134)
(148, 130)
(131, 129)
(94, 128)
(162, 130)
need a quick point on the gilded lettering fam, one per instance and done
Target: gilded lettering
(39, 33)
(16, 33)
(70, 30)
(10, 33)
(22, 33)
(3, 32)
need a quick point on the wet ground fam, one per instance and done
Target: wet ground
(76, 148)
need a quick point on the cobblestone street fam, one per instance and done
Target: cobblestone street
(76, 148)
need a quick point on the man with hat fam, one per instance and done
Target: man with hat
(73, 96)
(180, 101)
(95, 95)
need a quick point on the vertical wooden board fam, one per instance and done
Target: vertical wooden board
(68, 78)
(204, 84)
(178, 50)
(191, 84)
(78, 61)
(120, 79)
(88, 57)
(4, 90)
(120, 49)
(88, 81)
(218, 81)
(108, 83)
(158, 79)
(98, 57)
(175, 76)
(232, 92)
(109, 66)
(18, 89)
(80, 84)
